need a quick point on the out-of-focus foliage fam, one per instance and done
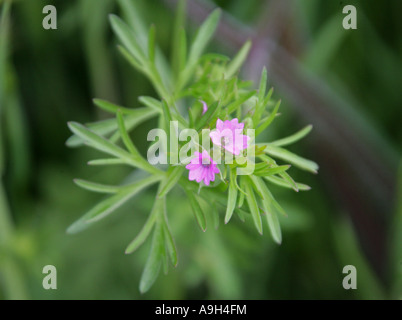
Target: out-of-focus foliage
(49, 77)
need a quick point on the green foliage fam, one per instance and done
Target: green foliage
(46, 78)
(208, 77)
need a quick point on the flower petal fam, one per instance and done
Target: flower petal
(215, 137)
(201, 174)
(195, 174)
(219, 124)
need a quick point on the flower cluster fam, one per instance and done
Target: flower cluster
(228, 135)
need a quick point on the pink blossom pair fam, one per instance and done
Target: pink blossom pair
(229, 135)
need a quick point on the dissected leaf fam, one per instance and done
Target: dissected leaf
(124, 135)
(127, 37)
(174, 175)
(107, 206)
(271, 170)
(292, 158)
(105, 127)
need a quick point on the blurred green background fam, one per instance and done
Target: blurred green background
(347, 83)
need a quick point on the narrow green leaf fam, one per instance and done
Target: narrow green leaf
(102, 128)
(252, 203)
(98, 142)
(132, 60)
(151, 44)
(105, 127)
(201, 40)
(292, 158)
(111, 107)
(104, 145)
(213, 57)
(240, 214)
(293, 138)
(127, 37)
(267, 202)
(178, 47)
(263, 85)
(182, 57)
(262, 101)
(267, 195)
(203, 36)
(96, 187)
(105, 162)
(151, 102)
(283, 183)
(232, 197)
(274, 226)
(167, 115)
(242, 194)
(170, 245)
(124, 135)
(153, 264)
(174, 175)
(289, 179)
(212, 111)
(237, 103)
(107, 206)
(269, 120)
(270, 170)
(147, 227)
(198, 213)
(238, 60)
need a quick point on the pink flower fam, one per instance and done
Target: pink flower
(202, 167)
(229, 134)
(204, 106)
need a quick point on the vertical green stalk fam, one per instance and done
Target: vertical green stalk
(9, 272)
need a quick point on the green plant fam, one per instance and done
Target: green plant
(193, 76)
